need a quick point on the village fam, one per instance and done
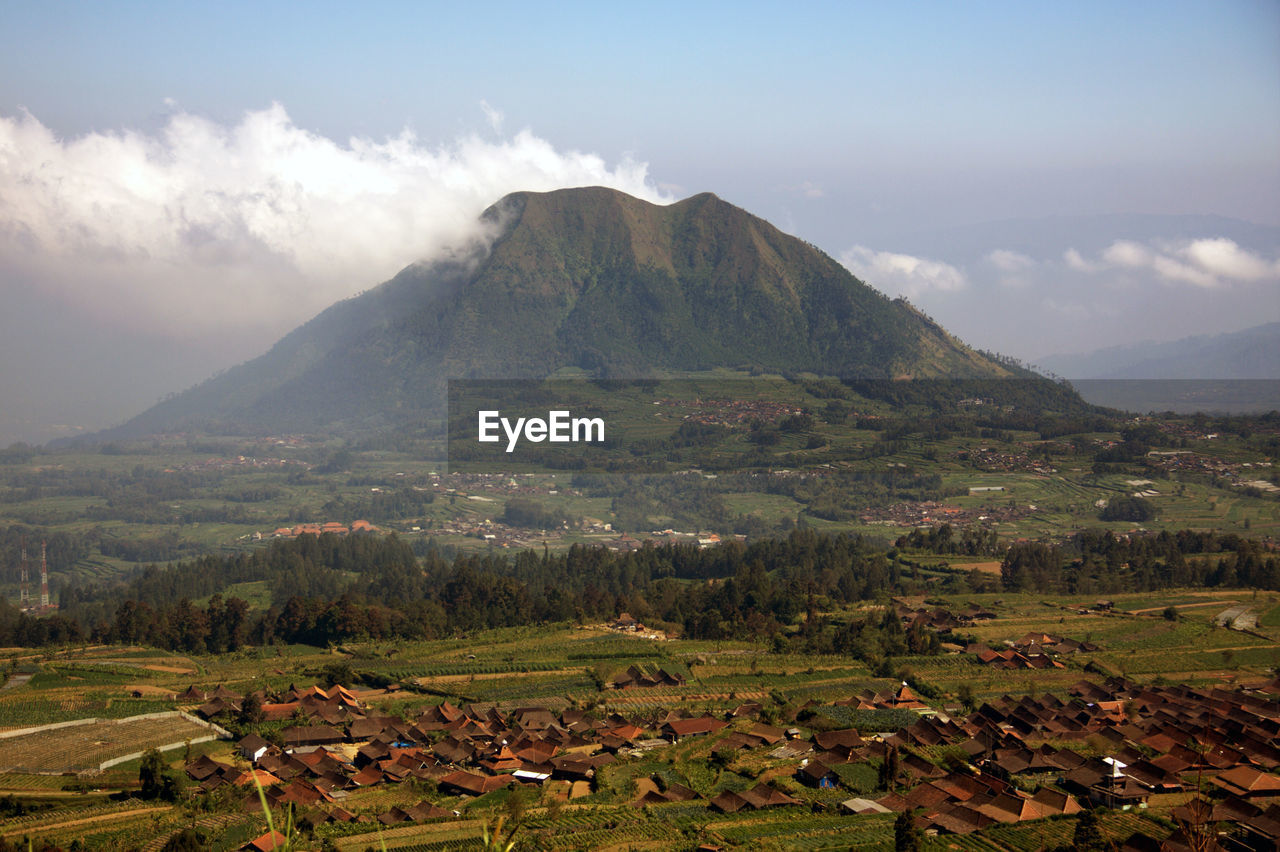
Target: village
(934, 513)
(1112, 744)
(1021, 723)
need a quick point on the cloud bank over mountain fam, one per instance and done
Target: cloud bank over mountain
(259, 223)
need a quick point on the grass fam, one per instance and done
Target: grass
(1270, 610)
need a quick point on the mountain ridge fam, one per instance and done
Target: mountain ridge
(1250, 353)
(588, 278)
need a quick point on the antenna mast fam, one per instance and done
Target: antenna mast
(44, 577)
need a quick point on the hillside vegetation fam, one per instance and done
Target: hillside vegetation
(591, 279)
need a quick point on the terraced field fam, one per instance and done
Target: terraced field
(555, 664)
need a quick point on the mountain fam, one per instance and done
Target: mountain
(585, 278)
(1253, 353)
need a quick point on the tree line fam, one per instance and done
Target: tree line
(331, 588)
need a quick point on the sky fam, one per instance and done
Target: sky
(181, 184)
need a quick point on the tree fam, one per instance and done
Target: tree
(906, 837)
(156, 779)
(890, 769)
(339, 673)
(1088, 834)
(722, 757)
(251, 710)
(150, 773)
(1137, 509)
(187, 840)
(515, 807)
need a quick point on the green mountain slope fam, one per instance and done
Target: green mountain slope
(588, 278)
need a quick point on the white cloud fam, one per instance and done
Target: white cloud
(902, 274)
(1208, 263)
(1076, 261)
(1128, 254)
(1009, 261)
(261, 223)
(809, 189)
(1222, 257)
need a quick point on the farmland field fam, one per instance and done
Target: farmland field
(552, 664)
(81, 748)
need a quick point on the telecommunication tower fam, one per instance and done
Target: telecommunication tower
(44, 577)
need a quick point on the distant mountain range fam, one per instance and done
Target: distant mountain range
(1253, 353)
(588, 279)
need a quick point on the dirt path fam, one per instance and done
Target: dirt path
(147, 689)
(36, 792)
(437, 680)
(984, 567)
(1180, 607)
(1233, 648)
(626, 698)
(57, 826)
(15, 682)
(387, 837)
(133, 664)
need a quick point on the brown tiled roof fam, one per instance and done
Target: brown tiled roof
(204, 766)
(476, 785)
(1059, 803)
(264, 778)
(729, 802)
(1247, 781)
(764, 796)
(926, 796)
(959, 819)
(267, 842)
(311, 735)
(689, 727)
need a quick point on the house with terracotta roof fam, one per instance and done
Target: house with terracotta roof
(267, 842)
(758, 797)
(1248, 783)
(311, 735)
(471, 784)
(904, 699)
(262, 778)
(635, 676)
(678, 729)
